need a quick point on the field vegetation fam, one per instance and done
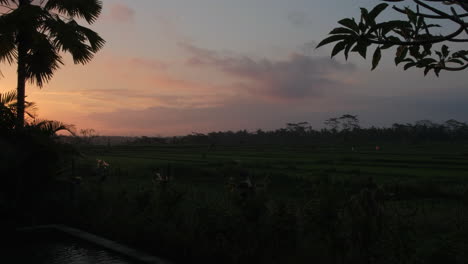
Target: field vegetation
(226, 196)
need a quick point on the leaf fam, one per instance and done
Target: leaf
(95, 41)
(402, 51)
(87, 9)
(42, 60)
(420, 22)
(361, 48)
(338, 47)
(426, 70)
(386, 46)
(409, 65)
(398, 23)
(458, 61)
(376, 58)
(377, 10)
(348, 48)
(411, 15)
(393, 39)
(342, 30)
(332, 39)
(394, 24)
(445, 50)
(414, 51)
(428, 48)
(427, 61)
(365, 15)
(349, 23)
(362, 27)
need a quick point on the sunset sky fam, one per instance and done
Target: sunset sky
(181, 66)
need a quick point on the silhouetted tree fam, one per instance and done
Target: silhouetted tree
(33, 33)
(453, 125)
(414, 36)
(349, 122)
(299, 128)
(332, 124)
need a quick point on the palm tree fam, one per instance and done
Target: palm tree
(8, 111)
(33, 33)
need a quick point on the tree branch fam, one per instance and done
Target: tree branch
(418, 42)
(464, 67)
(402, 11)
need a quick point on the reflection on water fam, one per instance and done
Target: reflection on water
(47, 248)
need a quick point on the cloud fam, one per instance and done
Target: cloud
(125, 64)
(295, 77)
(234, 114)
(150, 64)
(121, 13)
(248, 113)
(160, 111)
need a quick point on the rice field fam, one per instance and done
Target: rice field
(290, 166)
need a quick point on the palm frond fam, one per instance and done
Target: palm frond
(8, 98)
(87, 9)
(27, 18)
(71, 37)
(51, 127)
(7, 49)
(7, 111)
(30, 109)
(7, 39)
(8, 101)
(42, 61)
(94, 39)
(7, 119)
(8, 2)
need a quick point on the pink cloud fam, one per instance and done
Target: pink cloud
(293, 78)
(121, 13)
(147, 63)
(115, 62)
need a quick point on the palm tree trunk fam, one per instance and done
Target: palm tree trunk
(21, 84)
(20, 109)
(22, 53)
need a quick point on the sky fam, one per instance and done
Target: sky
(177, 67)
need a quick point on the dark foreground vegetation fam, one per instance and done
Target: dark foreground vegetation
(340, 195)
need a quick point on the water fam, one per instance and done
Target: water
(54, 248)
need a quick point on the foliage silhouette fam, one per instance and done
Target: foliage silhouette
(343, 129)
(414, 36)
(31, 158)
(33, 33)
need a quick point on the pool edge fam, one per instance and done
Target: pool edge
(102, 242)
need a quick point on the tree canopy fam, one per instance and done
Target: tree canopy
(425, 37)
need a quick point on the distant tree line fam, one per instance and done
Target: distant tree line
(344, 129)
